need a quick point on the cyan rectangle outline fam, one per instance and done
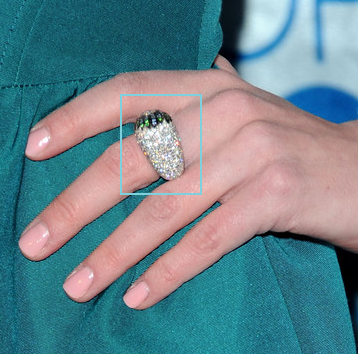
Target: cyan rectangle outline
(201, 145)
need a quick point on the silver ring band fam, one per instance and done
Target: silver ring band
(160, 142)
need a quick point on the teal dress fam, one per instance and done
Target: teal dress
(272, 295)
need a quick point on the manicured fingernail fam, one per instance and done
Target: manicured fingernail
(78, 283)
(33, 240)
(37, 140)
(136, 294)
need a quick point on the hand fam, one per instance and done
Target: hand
(269, 164)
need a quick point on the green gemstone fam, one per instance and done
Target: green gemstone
(147, 122)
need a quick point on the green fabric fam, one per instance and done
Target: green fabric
(272, 295)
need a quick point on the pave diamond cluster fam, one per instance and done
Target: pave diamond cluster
(160, 142)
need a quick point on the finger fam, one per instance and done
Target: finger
(98, 109)
(158, 217)
(261, 204)
(223, 230)
(155, 220)
(89, 196)
(97, 189)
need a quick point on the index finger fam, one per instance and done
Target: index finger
(98, 109)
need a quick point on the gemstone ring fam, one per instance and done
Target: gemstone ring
(160, 142)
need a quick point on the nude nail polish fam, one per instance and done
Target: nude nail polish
(136, 294)
(37, 141)
(33, 240)
(78, 283)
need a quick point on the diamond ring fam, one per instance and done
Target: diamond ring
(160, 142)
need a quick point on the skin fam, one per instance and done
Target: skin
(273, 167)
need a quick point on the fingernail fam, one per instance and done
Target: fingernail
(78, 283)
(38, 139)
(33, 240)
(136, 294)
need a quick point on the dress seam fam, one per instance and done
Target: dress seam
(283, 296)
(201, 35)
(107, 76)
(27, 41)
(11, 31)
(14, 284)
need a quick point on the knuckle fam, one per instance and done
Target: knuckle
(245, 104)
(66, 210)
(246, 100)
(168, 273)
(132, 157)
(133, 82)
(205, 239)
(111, 160)
(112, 257)
(279, 180)
(228, 97)
(259, 136)
(68, 121)
(161, 208)
(222, 78)
(257, 129)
